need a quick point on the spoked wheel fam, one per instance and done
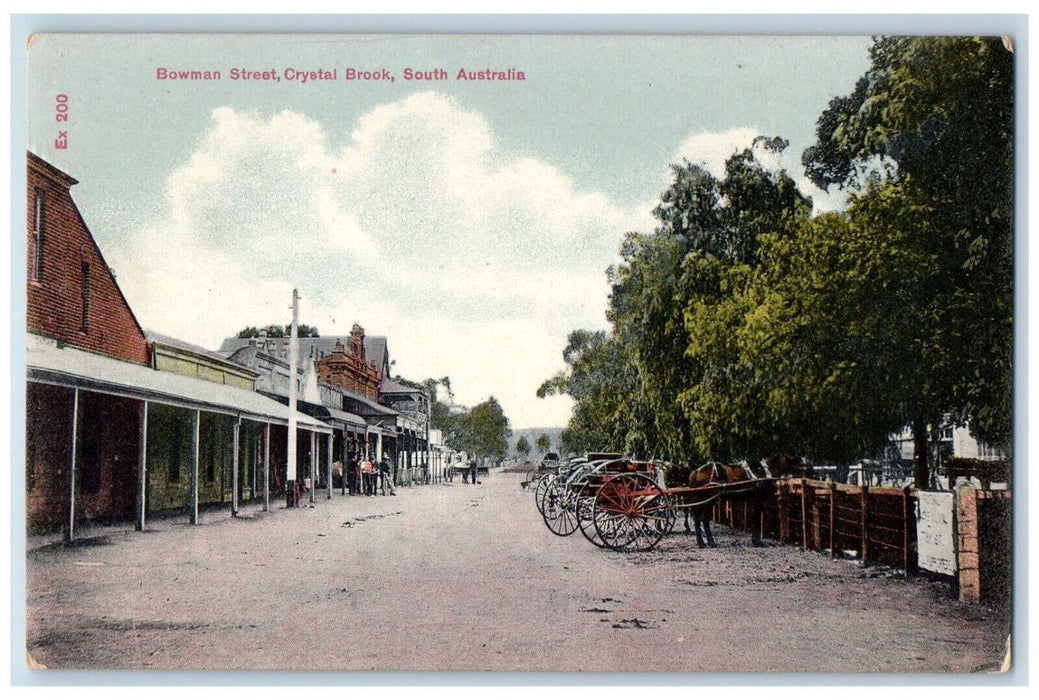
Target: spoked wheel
(559, 508)
(531, 480)
(540, 489)
(631, 513)
(585, 506)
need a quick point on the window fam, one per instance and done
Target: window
(37, 235)
(86, 296)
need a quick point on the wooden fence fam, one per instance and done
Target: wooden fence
(877, 523)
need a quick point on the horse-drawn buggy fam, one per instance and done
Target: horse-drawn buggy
(629, 505)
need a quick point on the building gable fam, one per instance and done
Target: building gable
(71, 294)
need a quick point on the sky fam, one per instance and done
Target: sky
(469, 222)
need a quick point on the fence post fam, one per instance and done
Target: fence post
(804, 515)
(905, 530)
(865, 522)
(761, 521)
(833, 519)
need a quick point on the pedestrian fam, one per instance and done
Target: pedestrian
(340, 474)
(368, 476)
(352, 474)
(386, 477)
(472, 470)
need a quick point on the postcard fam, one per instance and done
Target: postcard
(681, 354)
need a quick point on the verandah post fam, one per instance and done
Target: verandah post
(193, 497)
(70, 524)
(266, 467)
(313, 464)
(234, 469)
(328, 462)
(142, 468)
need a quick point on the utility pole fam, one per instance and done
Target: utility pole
(290, 476)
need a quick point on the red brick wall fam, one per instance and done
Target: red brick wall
(55, 302)
(107, 457)
(48, 453)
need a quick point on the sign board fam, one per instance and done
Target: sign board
(936, 531)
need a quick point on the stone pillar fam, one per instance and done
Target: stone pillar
(967, 544)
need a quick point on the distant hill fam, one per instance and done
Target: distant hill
(532, 435)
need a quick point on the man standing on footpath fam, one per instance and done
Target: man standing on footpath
(386, 477)
(472, 470)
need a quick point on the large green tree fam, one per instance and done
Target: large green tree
(936, 113)
(603, 384)
(485, 430)
(727, 405)
(829, 357)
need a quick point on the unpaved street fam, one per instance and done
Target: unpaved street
(461, 577)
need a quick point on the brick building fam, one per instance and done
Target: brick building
(110, 435)
(71, 293)
(72, 298)
(348, 368)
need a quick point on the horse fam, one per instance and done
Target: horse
(785, 466)
(755, 492)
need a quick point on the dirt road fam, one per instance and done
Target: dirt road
(462, 577)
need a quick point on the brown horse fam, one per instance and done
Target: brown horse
(752, 488)
(783, 466)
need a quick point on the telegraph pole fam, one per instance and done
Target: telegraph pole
(290, 477)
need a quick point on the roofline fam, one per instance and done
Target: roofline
(100, 386)
(51, 170)
(210, 357)
(69, 181)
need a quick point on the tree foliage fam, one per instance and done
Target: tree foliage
(941, 110)
(543, 442)
(485, 430)
(743, 327)
(603, 384)
(276, 331)
(523, 446)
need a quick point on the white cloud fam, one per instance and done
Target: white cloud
(712, 148)
(474, 262)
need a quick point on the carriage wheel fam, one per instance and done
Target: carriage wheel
(631, 513)
(559, 508)
(540, 489)
(585, 506)
(532, 478)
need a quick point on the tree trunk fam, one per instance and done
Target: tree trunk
(921, 473)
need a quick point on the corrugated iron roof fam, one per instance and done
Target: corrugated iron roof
(179, 344)
(66, 366)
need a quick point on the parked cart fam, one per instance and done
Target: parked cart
(626, 505)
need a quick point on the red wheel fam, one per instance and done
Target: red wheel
(631, 513)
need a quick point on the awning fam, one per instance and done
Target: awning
(326, 414)
(66, 366)
(371, 408)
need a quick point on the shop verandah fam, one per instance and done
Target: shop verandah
(113, 442)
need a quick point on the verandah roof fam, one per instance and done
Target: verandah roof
(67, 366)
